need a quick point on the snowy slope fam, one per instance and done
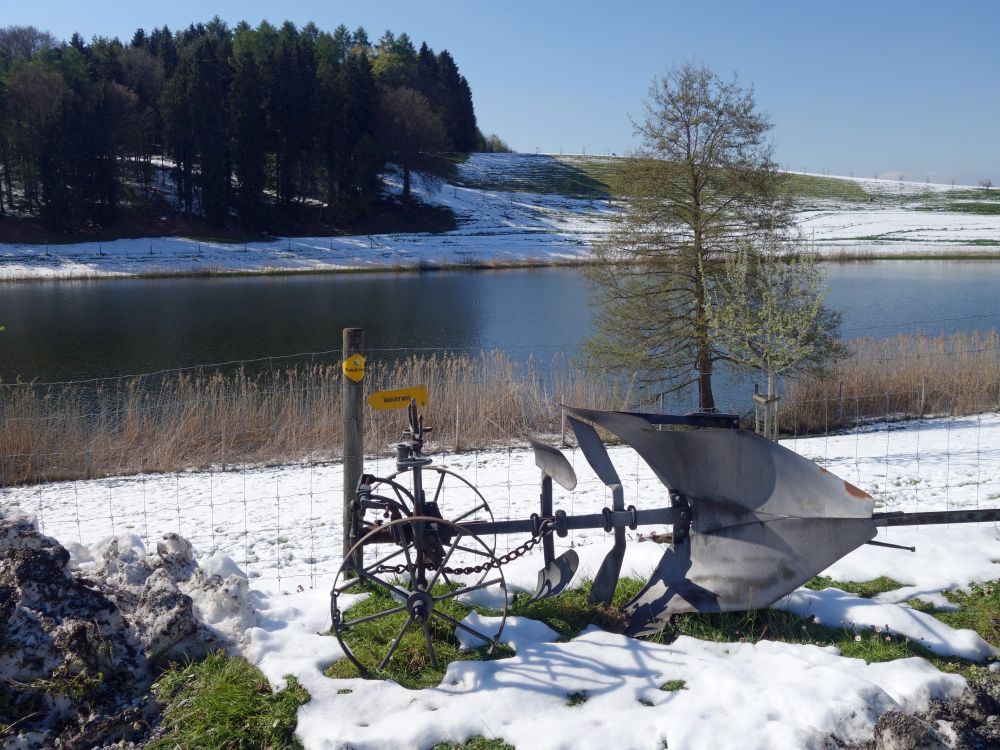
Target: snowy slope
(499, 227)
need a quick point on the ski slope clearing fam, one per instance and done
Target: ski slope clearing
(281, 527)
(535, 209)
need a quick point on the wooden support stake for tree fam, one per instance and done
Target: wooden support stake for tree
(352, 402)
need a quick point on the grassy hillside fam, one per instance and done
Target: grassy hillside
(581, 176)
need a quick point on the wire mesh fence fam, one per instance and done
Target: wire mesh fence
(244, 462)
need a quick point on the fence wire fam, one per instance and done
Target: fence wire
(247, 464)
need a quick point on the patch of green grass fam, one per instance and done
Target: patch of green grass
(224, 702)
(981, 208)
(572, 177)
(476, 743)
(775, 625)
(814, 186)
(577, 698)
(410, 665)
(867, 589)
(672, 686)
(570, 612)
(978, 610)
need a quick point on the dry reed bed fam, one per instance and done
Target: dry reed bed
(192, 421)
(898, 378)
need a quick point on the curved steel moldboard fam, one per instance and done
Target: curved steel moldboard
(594, 451)
(740, 567)
(735, 471)
(551, 461)
(556, 576)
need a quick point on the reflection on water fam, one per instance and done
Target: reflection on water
(80, 329)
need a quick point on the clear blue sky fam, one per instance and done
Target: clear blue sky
(890, 87)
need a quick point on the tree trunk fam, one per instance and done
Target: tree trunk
(706, 400)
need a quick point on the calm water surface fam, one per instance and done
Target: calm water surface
(71, 330)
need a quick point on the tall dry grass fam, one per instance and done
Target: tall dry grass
(898, 378)
(190, 421)
(196, 420)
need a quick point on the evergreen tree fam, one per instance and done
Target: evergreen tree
(161, 44)
(248, 134)
(358, 163)
(294, 112)
(427, 79)
(341, 42)
(456, 105)
(289, 107)
(178, 130)
(208, 114)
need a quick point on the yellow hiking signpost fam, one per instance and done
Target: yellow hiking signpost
(399, 398)
(354, 367)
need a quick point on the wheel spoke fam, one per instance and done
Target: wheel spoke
(468, 513)
(437, 492)
(470, 550)
(369, 618)
(462, 625)
(395, 643)
(384, 584)
(399, 496)
(467, 589)
(349, 584)
(441, 567)
(409, 565)
(430, 645)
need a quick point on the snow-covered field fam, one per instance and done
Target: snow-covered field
(497, 227)
(280, 524)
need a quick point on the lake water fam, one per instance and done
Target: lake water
(70, 330)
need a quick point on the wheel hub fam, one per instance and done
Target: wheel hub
(420, 604)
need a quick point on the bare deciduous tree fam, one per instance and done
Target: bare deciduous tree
(703, 183)
(408, 129)
(19, 43)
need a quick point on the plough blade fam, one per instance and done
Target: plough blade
(606, 580)
(556, 576)
(603, 588)
(764, 519)
(595, 452)
(554, 464)
(747, 566)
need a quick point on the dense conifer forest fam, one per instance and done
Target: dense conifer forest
(249, 128)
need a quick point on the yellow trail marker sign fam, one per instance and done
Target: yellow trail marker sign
(399, 398)
(354, 367)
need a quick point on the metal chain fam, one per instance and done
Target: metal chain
(545, 528)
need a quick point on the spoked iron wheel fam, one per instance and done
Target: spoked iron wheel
(450, 492)
(409, 606)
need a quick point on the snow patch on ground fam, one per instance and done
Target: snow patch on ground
(495, 227)
(762, 695)
(839, 609)
(281, 525)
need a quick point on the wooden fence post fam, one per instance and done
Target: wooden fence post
(352, 401)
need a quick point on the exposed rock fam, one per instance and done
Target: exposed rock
(969, 722)
(899, 731)
(80, 644)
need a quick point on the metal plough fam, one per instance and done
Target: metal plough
(751, 521)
